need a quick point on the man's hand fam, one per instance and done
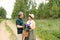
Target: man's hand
(18, 26)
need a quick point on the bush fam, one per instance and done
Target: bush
(2, 13)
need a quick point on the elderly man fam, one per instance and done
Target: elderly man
(19, 24)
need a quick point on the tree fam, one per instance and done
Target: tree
(2, 13)
(54, 8)
(24, 6)
(49, 10)
(20, 5)
(33, 9)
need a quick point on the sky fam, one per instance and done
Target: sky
(8, 5)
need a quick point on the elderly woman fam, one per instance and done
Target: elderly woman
(31, 23)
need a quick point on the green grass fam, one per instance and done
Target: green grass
(47, 29)
(12, 35)
(1, 20)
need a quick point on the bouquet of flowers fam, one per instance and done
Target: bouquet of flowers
(26, 30)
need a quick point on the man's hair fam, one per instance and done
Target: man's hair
(20, 13)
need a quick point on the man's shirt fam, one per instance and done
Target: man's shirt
(19, 21)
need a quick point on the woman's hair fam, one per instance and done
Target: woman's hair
(19, 15)
(30, 17)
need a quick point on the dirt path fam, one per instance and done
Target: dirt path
(14, 28)
(38, 38)
(4, 34)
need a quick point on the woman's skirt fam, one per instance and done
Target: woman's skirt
(32, 35)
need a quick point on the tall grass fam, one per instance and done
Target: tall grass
(48, 29)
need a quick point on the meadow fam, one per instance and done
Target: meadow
(47, 29)
(1, 20)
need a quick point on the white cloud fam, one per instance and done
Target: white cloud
(41, 1)
(8, 6)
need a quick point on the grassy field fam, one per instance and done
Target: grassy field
(47, 29)
(1, 20)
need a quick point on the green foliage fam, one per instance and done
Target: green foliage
(2, 13)
(34, 11)
(20, 5)
(24, 6)
(51, 9)
(48, 29)
(56, 34)
(47, 10)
